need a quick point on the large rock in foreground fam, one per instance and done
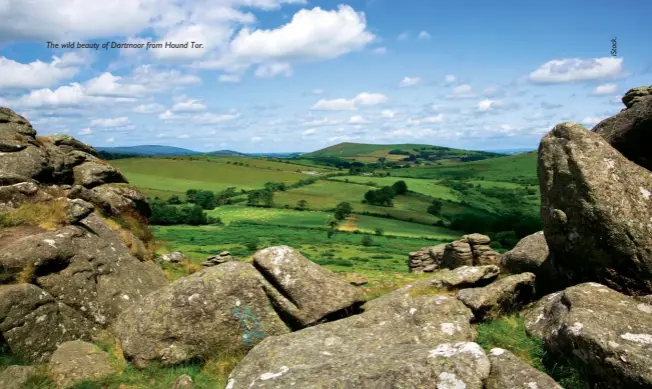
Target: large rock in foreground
(77, 361)
(630, 131)
(418, 342)
(85, 266)
(33, 324)
(596, 209)
(508, 371)
(221, 309)
(600, 328)
(302, 289)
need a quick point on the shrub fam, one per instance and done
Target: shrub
(367, 241)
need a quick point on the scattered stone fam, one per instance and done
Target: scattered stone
(501, 297)
(16, 377)
(442, 281)
(596, 209)
(604, 330)
(220, 308)
(77, 210)
(33, 324)
(356, 279)
(184, 381)
(527, 256)
(218, 259)
(413, 343)
(302, 289)
(630, 131)
(509, 371)
(77, 361)
(173, 257)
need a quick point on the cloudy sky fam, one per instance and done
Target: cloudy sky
(299, 75)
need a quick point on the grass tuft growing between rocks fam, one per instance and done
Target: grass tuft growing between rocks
(48, 215)
(509, 333)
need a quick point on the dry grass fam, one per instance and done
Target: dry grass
(134, 233)
(221, 366)
(26, 276)
(49, 215)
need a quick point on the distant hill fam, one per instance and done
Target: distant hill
(225, 153)
(275, 155)
(151, 150)
(369, 153)
(512, 151)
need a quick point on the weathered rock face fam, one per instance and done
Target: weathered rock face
(221, 309)
(303, 290)
(114, 199)
(77, 361)
(33, 323)
(462, 277)
(471, 250)
(501, 297)
(601, 328)
(596, 208)
(527, 256)
(173, 257)
(508, 371)
(418, 342)
(16, 377)
(20, 153)
(86, 266)
(630, 131)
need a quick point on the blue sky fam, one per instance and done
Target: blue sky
(299, 75)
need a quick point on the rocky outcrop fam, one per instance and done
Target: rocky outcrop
(64, 161)
(596, 208)
(636, 95)
(501, 297)
(508, 371)
(428, 259)
(222, 308)
(527, 256)
(33, 323)
(16, 377)
(442, 281)
(630, 131)
(218, 259)
(600, 328)
(413, 343)
(303, 290)
(470, 250)
(77, 361)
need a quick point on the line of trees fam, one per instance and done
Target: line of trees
(385, 195)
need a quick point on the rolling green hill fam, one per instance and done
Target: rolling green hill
(370, 153)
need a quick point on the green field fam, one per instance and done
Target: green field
(519, 167)
(164, 177)
(425, 186)
(317, 219)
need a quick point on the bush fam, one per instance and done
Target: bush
(367, 241)
(252, 243)
(400, 187)
(166, 215)
(379, 231)
(174, 200)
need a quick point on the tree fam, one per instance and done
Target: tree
(343, 210)
(174, 200)
(382, 196)
(190, 195)
(379, 231)
(205, 199)
(435, 207)
(332, 224)
(367, 241)
(302, 205)
(400, 187)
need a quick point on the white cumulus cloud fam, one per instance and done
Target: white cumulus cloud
(605, 89)
(368, 99)
(110, 122)
(576, 70)
(410, 81)
(39, 74)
